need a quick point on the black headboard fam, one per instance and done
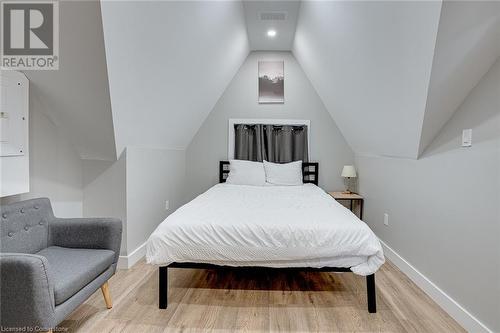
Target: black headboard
(310, 171)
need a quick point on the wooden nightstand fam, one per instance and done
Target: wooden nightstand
(350, 197)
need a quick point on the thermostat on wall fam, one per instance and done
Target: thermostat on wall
(4, 126)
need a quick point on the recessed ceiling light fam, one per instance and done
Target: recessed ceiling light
(271, 33)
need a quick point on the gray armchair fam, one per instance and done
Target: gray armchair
(49, 266)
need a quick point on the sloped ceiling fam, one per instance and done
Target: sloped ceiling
(168, 63)
(370, 62)
(390, 73)
(257, 27)
(76, 97)
(468, 43)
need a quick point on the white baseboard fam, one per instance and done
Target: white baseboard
(125, 262)
(448, 304)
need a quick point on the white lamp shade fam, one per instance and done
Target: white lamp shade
(348, 171)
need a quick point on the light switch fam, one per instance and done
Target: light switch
(467, 137)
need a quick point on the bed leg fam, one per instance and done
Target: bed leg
(370, 292)
(163, 290)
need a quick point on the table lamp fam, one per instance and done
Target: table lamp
(348, 172)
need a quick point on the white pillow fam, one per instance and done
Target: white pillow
(246, 173)
(284, 174)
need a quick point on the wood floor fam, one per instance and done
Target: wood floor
(262, 301)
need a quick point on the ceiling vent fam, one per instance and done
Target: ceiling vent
(273, 16)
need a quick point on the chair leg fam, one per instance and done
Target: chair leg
(106, 294)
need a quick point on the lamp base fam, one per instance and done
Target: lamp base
(347, 192)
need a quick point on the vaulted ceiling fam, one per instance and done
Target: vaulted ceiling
(391, 74)
(280, 16)
(371, 62)
(467, 46)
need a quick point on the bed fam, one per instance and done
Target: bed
(275, 227)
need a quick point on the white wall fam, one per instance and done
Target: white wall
(104, 192)
(153, 176)
(209, 145)
(55, 166)
(134, 189)
(444, 208)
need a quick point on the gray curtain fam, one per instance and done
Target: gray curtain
(273, 143)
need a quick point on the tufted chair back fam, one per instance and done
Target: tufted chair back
(24, 226)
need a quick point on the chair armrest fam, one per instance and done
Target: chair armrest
(88, 233)
(26, 291)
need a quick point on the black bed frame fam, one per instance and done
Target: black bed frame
(310, 171)
(310, 175)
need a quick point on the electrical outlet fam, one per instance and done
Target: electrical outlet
(386, 219)
(167, 205)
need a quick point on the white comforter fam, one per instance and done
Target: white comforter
(271, 226)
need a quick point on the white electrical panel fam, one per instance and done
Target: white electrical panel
(13, 113)
(14, 133)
